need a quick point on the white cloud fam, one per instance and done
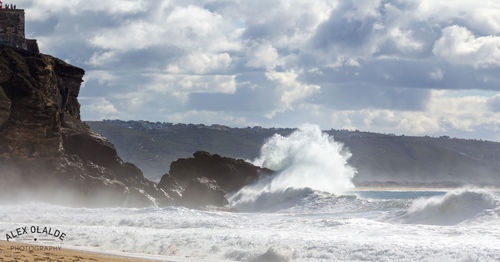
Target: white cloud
(262, 55)
(446, 111)
(103, 77)
(387, 121)
(100, 108)
(208, 117)
(201, 63)
(181, 85)
(458, 45)
(282, 23)
(404, 40)
(134, 101)
(290, 89)
(376, 59)
(40, 9)
(188, 28)
(102, 58)
(481, 16)
(344, 62)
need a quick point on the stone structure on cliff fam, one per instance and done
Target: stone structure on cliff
(12, 30)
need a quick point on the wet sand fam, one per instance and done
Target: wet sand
(14, 251)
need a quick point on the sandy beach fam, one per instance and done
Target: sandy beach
(14, 251)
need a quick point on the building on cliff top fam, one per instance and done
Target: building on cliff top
(12, 29)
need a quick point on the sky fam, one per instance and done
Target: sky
(414, 67)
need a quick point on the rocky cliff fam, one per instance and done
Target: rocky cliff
(46, 152)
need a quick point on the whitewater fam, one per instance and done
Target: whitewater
(308, 211)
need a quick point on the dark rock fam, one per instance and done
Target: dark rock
(4, 107)
(229, 173)
(206, 179)
(202, 191)
(46, 152)
(171, 187)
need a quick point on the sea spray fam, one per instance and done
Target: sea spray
(307, 160)
(453, 208)
(332, 228)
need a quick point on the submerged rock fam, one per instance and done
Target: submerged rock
(47, 153)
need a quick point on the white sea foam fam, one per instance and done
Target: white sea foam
(453, 208)
(325, 228)
(306, 160)
(302, 216)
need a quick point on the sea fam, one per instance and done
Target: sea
(309, 210)
(458, 225)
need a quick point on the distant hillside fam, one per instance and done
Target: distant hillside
(379, 158)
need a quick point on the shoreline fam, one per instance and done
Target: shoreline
(18, 251)
(11, 251)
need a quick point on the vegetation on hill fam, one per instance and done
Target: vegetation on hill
(381, 159)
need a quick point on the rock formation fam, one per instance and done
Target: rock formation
(205, 179)
(46, 152)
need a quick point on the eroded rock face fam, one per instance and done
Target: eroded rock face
(206, 179)
(202, 191)
(231, 174)
(4, 107)
(47, 152)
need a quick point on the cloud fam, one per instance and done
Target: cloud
(39, 9)
(404, 40)
(458, 45)
(209, 118)
(374, 65)
(481, 18)
(290, 88)
(446, 111)
(99, 108)
(188, 28)
(103, 77)
(437, 75)
(262, 55)
(494, 104)
(181, 86)
(350, 25)
(201, 63)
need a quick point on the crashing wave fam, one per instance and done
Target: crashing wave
(452, 208)
(306, 161)
(268, 201)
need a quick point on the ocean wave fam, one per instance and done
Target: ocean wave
(306, 161)
(453, 208)
(316, 226)
(308, 201)
(271, 255)
(268, 201)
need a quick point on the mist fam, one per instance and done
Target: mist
(307, 160)
(18, 188)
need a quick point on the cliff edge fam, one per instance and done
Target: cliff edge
(46, 152)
